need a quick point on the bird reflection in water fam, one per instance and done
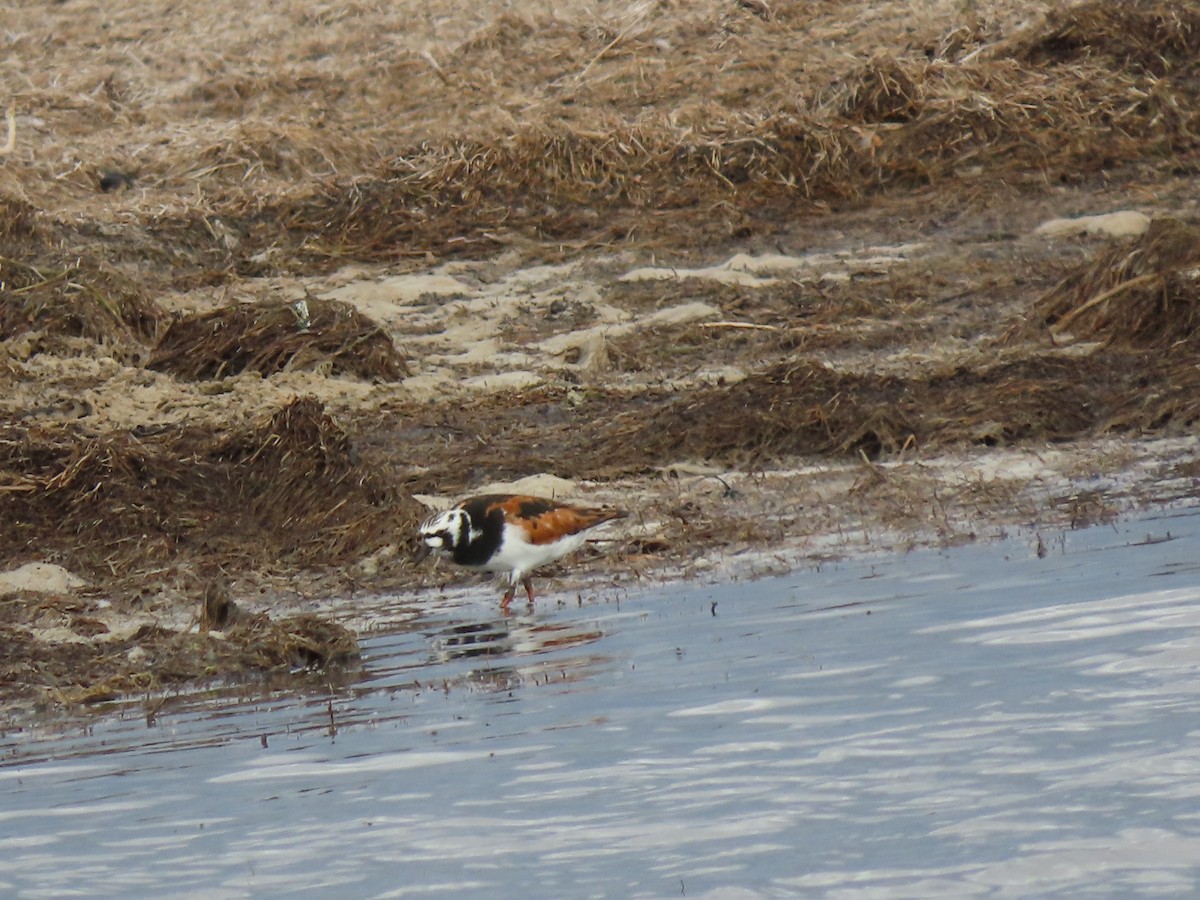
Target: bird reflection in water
(520, 645)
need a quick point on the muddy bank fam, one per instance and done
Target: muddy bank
(785, 283)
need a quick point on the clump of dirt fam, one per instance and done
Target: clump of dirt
(277, 336)
(1144, 293)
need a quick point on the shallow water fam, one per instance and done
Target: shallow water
(973, 722)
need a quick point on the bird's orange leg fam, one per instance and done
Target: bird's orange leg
(508, 597)
(528, 589)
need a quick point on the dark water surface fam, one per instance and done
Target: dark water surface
(977, 722)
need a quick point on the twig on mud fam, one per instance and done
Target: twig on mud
(620, 37)
(1062, 323)
(46, 281)
(437, 69)
(11, 143)
(748, 325)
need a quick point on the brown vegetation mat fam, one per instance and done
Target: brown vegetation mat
(287, 490)
(56, 282)
(594, 142)
(802, 408)
(1144, 293)
(276, 336)
(1163, 395)
(658, 124)
(944, 120)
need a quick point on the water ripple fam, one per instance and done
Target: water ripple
(979, 722)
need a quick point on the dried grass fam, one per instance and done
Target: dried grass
(655, 122)
(892, 122)
(82, 673)
(934, 120)
(884, 89)
(287, 489)
(277, 336)
(78, 299)
(18, 221)
(802, 408)
(1163, 399)
(1142, 293)
(790, 409)
(557, 181)
(295, 641)
(301, 478)
(1154, 35)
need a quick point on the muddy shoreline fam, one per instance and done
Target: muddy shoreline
(883, 280)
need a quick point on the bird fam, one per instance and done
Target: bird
(514, 533)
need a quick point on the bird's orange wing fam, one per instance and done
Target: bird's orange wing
(545, 521)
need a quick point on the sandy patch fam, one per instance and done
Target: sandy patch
(40, 578)
(1126, 223)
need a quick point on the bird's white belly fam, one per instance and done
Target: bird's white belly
(520, 557)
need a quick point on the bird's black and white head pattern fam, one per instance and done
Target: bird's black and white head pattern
(443, 532)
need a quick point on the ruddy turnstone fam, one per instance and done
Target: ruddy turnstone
(512, 533)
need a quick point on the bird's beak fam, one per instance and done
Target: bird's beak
(422, 552)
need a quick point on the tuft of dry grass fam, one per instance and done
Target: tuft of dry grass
(76, 299)
(1141, 293)
(277, 336)
(884, 89)
(289, 487)
(1159, 36)
(18, 220)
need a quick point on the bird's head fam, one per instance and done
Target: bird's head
(442, 532)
